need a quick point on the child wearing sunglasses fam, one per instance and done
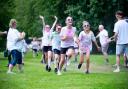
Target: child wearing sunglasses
(86, 37)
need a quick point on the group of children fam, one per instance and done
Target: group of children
(62, 43)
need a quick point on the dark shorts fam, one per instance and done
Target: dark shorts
(35, 50)
(56, 51)
(16, 57)
(47, 48)
(64, 50)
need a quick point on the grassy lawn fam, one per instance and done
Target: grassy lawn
(35, 76)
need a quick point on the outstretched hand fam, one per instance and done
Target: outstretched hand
(41, 17)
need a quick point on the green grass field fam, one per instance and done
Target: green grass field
(35, 76)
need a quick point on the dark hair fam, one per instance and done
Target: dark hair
(58, 24)
(120, 13)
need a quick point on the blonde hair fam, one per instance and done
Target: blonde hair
(86, 22)
(12, 21)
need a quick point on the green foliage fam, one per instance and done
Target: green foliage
(6, 13)
(95, 11)
(27, 13)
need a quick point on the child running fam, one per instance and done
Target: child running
(85, 45)
(47, 42)
(56, 45)
(67, 42)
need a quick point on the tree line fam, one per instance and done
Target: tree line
(27, 13)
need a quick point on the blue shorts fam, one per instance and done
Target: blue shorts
(16, 57)
(121, 48)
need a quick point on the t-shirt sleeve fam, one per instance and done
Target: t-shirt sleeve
(93, 37)
(116, 28)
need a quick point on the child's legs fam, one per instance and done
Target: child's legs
(76, 54)
(62, 60)
(62, 57)
(56, 61)
(87, 60)
(70, 52)
(81, 58)
(49, 57)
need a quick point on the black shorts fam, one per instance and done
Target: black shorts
(56, 51)
(64, 50)
(35, 50)
(47, 48)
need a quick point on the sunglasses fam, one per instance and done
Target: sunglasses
(86, 25)
(69, 20)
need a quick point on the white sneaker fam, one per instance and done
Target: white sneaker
(115, 65)
(10, 72)
(59, 73)
(117, 70)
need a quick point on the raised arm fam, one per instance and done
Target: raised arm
(42, 18)
(54, 23)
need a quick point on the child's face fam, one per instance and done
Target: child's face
(58, 28)
(69, 21)
(47, 28)
(86, 26)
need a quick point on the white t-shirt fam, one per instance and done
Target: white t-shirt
(70, 33)
(121, 28)
(47, 38)
(42, 44)
(103, 36)
(12, 40)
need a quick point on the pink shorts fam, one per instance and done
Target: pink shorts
(84, 50)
